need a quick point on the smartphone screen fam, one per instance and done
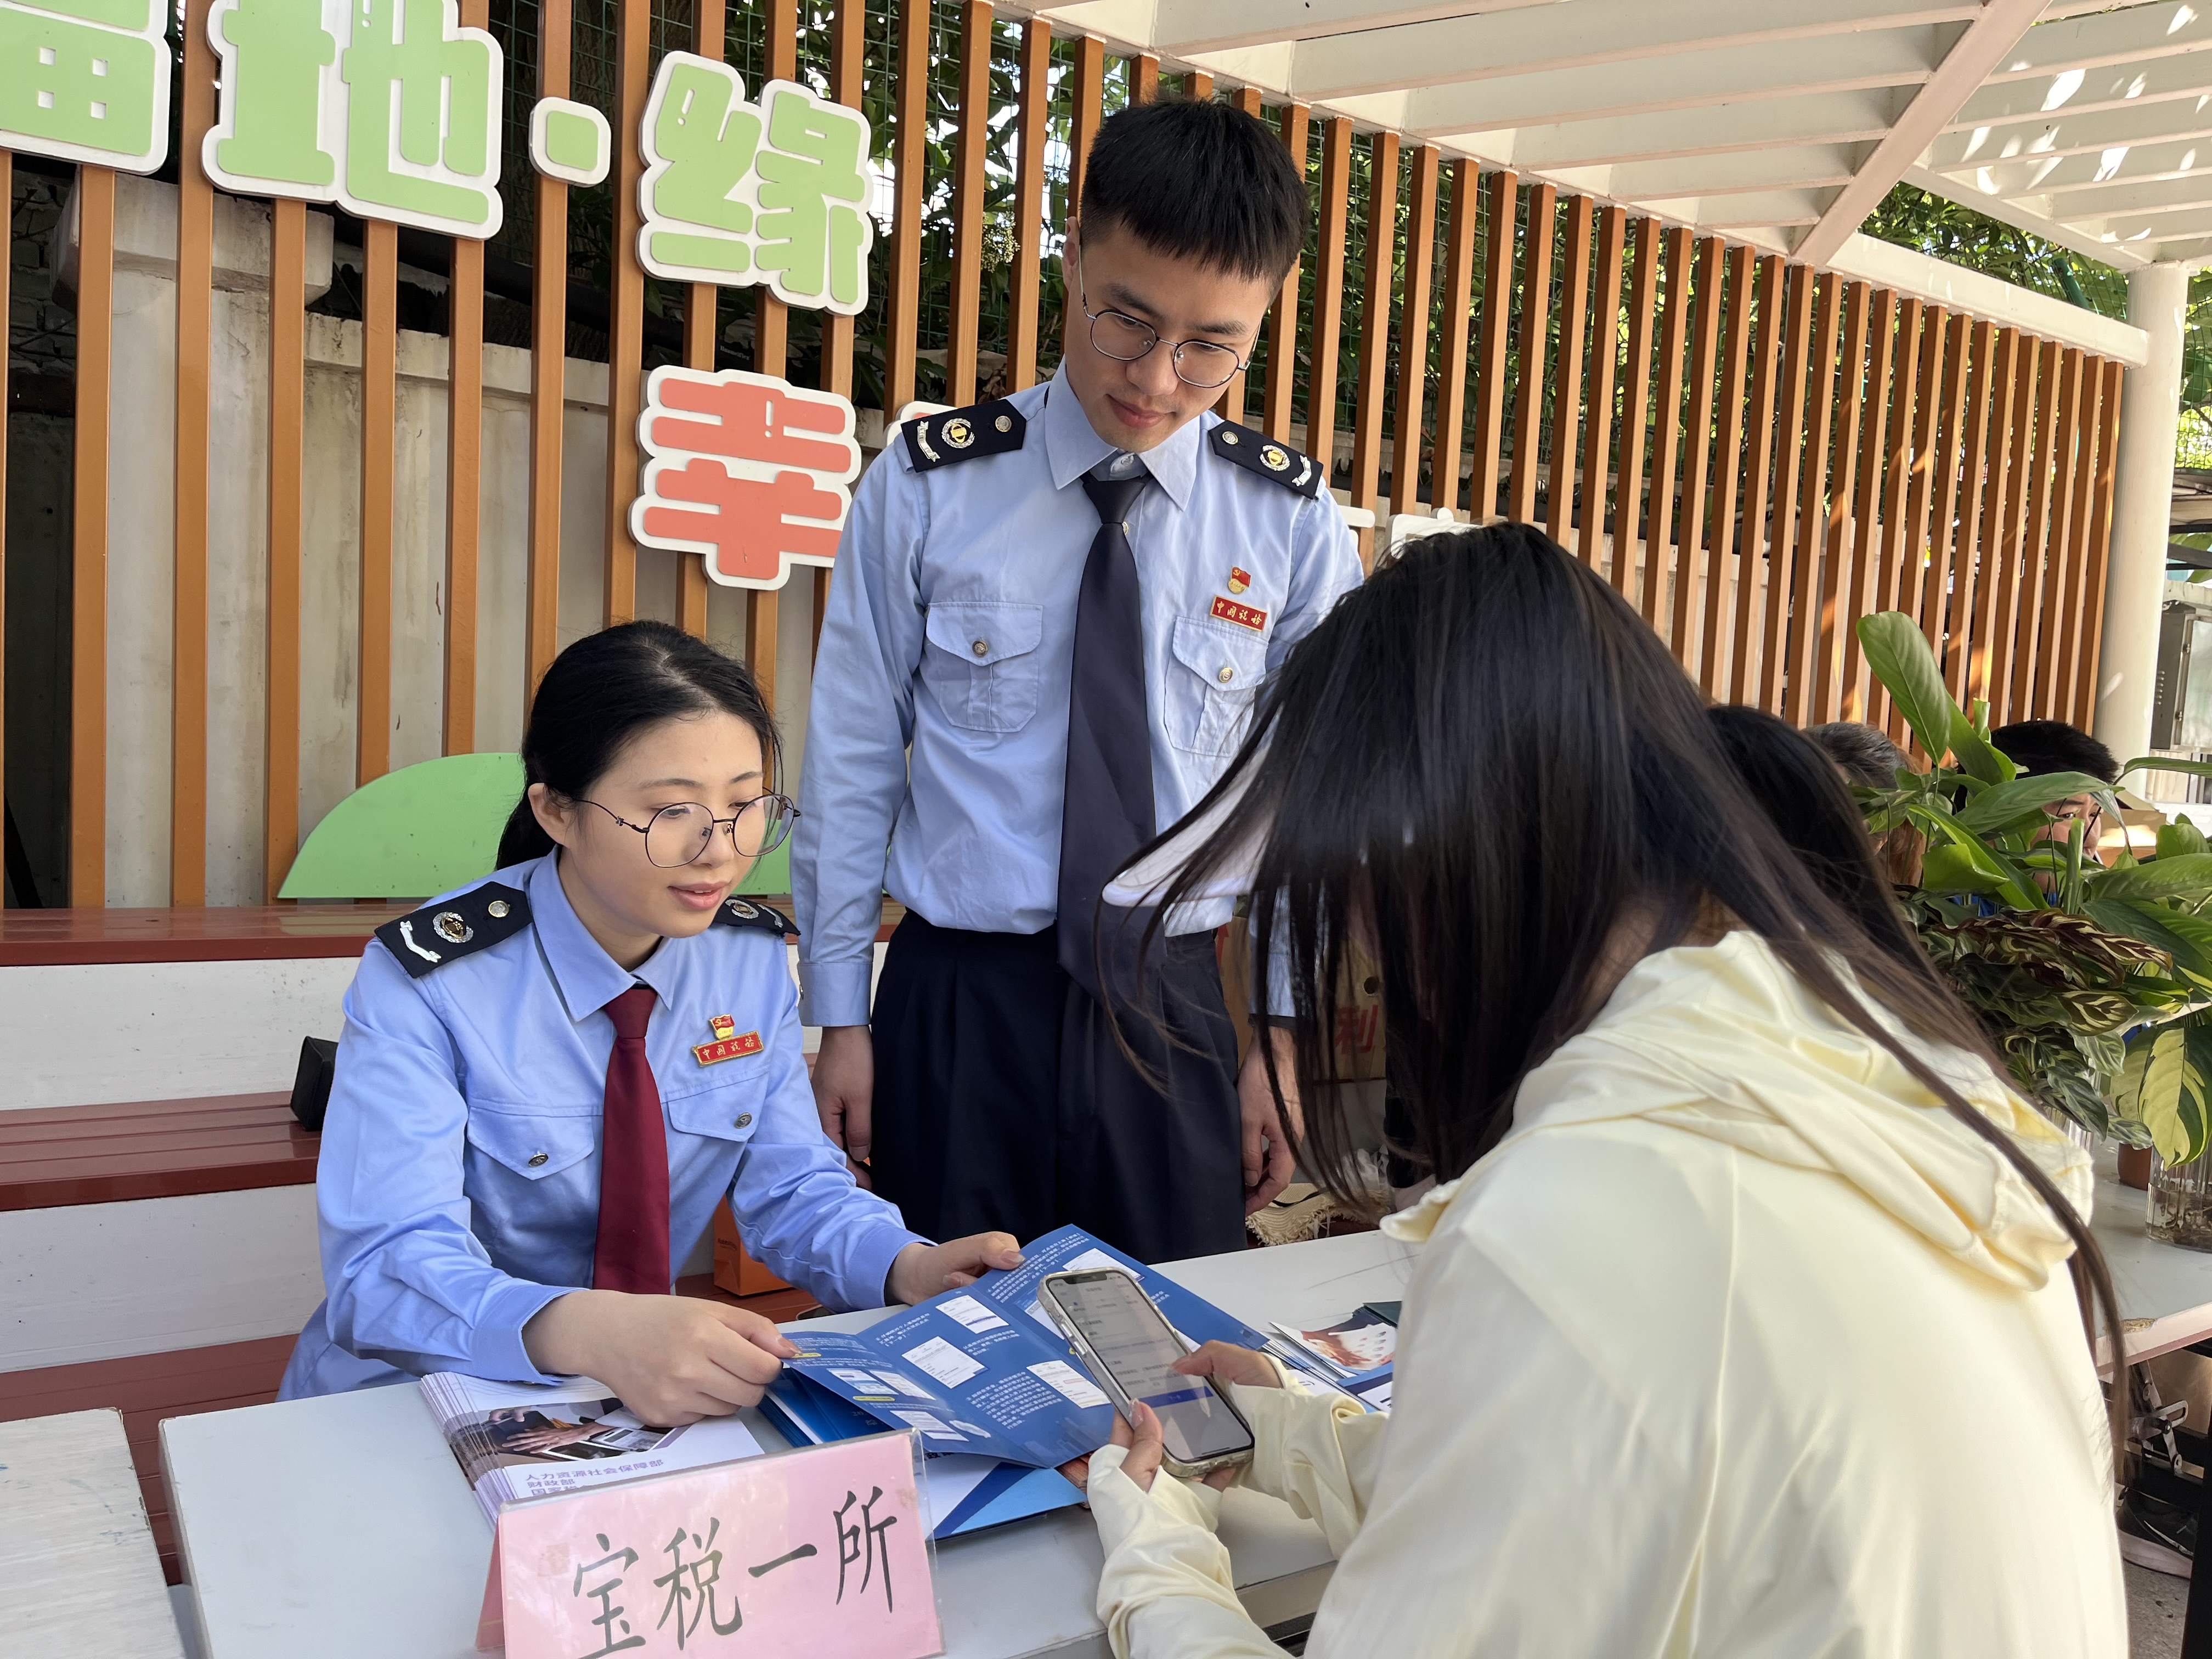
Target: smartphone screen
(1139, 1351)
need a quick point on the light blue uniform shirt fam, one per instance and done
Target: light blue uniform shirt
(939, 725)
(459, 1185)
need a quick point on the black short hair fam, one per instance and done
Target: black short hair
(2055, 746)
(1864, 755)
(1202, 181)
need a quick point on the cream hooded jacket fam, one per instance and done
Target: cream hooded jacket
(1738, 1345)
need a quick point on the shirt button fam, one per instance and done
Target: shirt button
(744, 1118)
(1226, 674)
(982, 647)
(1125, 527)
(537, 1160)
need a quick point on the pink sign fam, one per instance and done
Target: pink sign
(822, 1551)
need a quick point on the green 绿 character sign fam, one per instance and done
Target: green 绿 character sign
(86, 81)
(387, 107)
(775, 193)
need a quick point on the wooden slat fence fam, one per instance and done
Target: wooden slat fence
(1755, 454)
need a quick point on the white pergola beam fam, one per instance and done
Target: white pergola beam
(1885, 57)
(1820, 167)
(2115, 201)
(2051, 97)
(1986, 42)
(1964, 148)
(1497, 46)
(1905, 270)
(2089, 171)
(1782, 206)
(2006, 211)
(2129, 35)
(1184, 26)
(1857, 116)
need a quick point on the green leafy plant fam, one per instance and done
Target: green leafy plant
(2095, 980)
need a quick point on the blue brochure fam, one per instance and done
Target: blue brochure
(984, 1370)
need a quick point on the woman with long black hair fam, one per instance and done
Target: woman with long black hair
(549, 1079)
(1742, 1322)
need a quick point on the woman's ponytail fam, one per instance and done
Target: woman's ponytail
(523, 838)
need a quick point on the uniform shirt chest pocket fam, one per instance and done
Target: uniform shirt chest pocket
(1217, 668)
(725, 1107)
(983, 664)
(530, 1140)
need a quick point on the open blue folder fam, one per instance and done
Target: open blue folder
(983, 1371)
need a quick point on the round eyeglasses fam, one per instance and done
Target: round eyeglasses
(677, 835)
(1126, 339)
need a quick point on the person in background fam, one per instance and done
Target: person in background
(1795, 782)
(1050, 616)
(549, 1080)
(2054, 746)
(1727, 1193)
(1862, 754)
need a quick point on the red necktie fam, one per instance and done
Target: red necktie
(632, 1251)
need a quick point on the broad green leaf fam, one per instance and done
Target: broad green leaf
(1976, 757)
(2159, 1104)
(2127, 1088)
(2163, 763)
(1997, 806)
(2189, 876)
(1950, 868)
(2198, 1119)
(2181, 838)
(1896, 652)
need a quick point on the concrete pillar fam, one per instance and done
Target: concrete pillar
(2150, 410)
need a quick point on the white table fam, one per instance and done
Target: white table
(341, 1527)
(2165, 1292)
(77, 1564)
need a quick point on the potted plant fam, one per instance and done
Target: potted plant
(2093, 980)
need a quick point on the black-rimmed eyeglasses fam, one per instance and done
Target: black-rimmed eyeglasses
(677, 835)
(1128, 339)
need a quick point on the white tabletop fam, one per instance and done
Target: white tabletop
(2165, 1290)
(341, 1526)
(81, 1578)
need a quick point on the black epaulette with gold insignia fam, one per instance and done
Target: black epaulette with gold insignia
(1256, 451)
(961, 435)
(752, 913)
(456, 927)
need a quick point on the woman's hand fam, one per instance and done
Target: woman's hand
(1225, 1362)
(671, 1359)
(1146, 1448)
(921, 1271)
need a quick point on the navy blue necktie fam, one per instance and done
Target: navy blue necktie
(1108, 811)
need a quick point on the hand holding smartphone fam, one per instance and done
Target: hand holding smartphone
(1130, 1350)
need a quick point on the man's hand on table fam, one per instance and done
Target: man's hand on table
(1224, 1362)
(671, 1359)
(844, 1091)
(921, 1271)
(1270, 1156)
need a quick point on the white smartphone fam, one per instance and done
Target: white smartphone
(1131, 1350)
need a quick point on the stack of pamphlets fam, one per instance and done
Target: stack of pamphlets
(1358, 1353)
(516, 1440)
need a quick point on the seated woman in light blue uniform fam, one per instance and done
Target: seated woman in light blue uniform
(548, 1080)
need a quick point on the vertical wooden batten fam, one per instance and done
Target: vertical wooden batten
(7, 266)
(1628, 527)
(1798, 704)
(848, 42)
(2100, 543)
(1144, 78)
(1965, 555)
(1283, 315)
(1413, 339)
(771, 316)
(2034, 569)
(1660, 561)
(702, 306)
(1534, 317)
(1233, 405)
(287, 422)
(1328, 295)
(1567, 375)
(1031, 132)
(1843, 477)
(1865, 565)
(1090, 105)
(189, 588)
(909, 162)
(1604, 370)
(1927, 420)
(95, 346)
(549, 347)
(2066, 458)
(1755, 565)
(379, 424)
(626, 308)
(2065, 699)
(463, 473)
(1943, 492)
(1496, 339)
(1721, 565)
(1374, 390)
(1784, 561)
(1691, 566)
(2012, 574)
(1897, 545)
(970, 147)
(1993, 561)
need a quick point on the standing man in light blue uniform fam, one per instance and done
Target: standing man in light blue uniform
(548, 1080)
(1050, 617)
